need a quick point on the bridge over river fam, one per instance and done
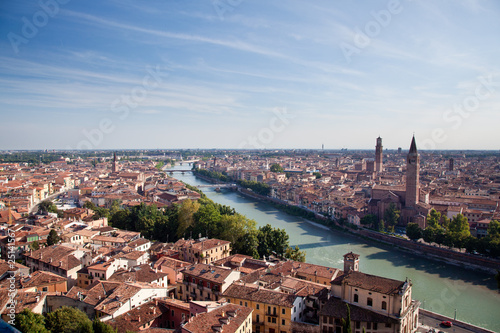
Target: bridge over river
(217, 185)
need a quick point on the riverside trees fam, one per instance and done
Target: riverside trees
(206, 218)
(455, 232)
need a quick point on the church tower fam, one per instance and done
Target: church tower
(378, 155)
(412, 175)
(114, 169)
(351, 262)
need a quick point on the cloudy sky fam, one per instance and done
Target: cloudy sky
(249, 73)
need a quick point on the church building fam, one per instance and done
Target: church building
(409, 199)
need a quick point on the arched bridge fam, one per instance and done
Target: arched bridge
(218, 185)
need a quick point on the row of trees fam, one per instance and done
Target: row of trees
(64, 319)
(257, 187)
(206, 218)
(455, 232)
(388, 223)
(212, 174)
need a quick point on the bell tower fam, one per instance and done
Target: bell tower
(412, 175)
(351, 262)
(378, 155)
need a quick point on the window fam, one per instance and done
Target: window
(246, 304)
(257, 306)
(283, 311)
(325, 319)
(268, 319)
(257, 318)
(229, 300)
(358, 324)
(375, 326)
(273, 320)
(368, 325)
(369, 301)
(282, 321)
(356, 298)
(384, 305)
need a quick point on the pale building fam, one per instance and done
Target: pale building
(376, 304)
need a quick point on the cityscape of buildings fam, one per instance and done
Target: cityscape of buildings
(199, 284)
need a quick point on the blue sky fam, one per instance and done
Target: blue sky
(251, 74)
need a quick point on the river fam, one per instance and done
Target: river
(440, 287)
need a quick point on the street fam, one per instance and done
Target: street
(429, 322)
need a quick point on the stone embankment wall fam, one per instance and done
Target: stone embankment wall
(442, 254)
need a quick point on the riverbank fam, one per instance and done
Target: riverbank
(463, 260)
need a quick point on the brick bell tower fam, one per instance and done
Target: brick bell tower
(378, 155)
(412, 175)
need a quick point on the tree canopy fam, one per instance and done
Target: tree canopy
(413, 231)
(276, 168)
(27, 321)
(68, 320)
(53, 238)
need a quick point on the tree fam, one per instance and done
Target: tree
(494, 229)
(460, 225)
(413, 231)
(471, 244)
(47, 206)
(429, 235)
(29, 322)
(272, 240)
(346, 322)
(318, 175)
(100, 327)
(276, 168)
(434, 232)
(53, 238)
(381, 225)
(391, 215)
(68, 320)
(458, 231)
(34, 246)
(369, 220)
(207, 217)
(248, 244)
(186, 216)
(295, 254)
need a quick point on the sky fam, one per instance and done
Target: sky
(264, 74)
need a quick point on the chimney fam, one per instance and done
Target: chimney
(154, 310)
(139, 319)
(223, 314)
